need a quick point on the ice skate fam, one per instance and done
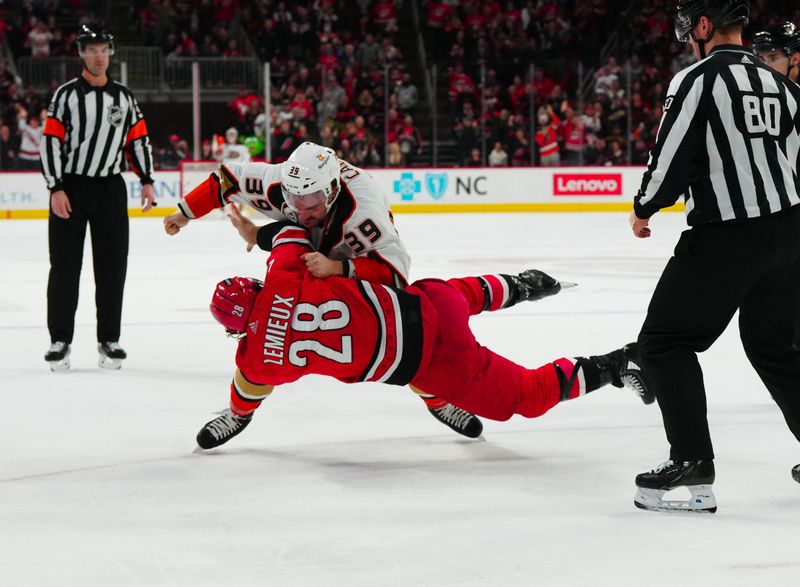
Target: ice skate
(796, 473)
(632, 375)
(696, 476)
(623, 370)
(221, 429)
(462, 421)
(111, 355)
(533, 285)
(58, 356)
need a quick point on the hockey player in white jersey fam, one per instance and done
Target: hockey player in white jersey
(341, 205)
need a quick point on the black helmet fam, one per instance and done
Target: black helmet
(785, 37)
(719, 12)
(93, 34)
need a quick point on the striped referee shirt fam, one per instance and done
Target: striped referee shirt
(728, 142)
(87, 131)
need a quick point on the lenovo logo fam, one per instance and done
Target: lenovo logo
(587, 184)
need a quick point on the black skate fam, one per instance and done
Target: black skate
(624, 370)
(58, 356)
(796, 473)
(111, 355)
(221, 429)
(462, 421)
(534, 285)
(696, 476)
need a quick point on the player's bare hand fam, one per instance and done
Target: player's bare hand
(174, 222)
(246, 227)
(640, 226)
(59, 204)
(148, 197)
(320, 266)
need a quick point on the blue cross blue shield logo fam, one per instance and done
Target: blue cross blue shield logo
(436, 184)
(407, 186)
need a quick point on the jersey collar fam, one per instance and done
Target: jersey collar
(730, 48)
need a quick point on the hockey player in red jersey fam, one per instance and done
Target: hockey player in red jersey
(294, 324)
(346, 214)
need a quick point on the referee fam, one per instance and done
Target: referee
(728, 143)
(91, 123)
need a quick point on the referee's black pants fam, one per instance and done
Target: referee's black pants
(103, 204)
(752, 266)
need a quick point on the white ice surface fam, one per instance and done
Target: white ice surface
(358, 485)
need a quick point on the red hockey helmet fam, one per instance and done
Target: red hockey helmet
(233, 301)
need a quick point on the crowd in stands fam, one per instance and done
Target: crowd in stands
(510, 71)
(512, 76)
(40, 29)
(329, 63)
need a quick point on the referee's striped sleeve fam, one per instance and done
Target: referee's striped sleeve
(138, 144)
(673, 158)
(51, 143)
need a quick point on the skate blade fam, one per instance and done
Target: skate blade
(567, 284)
(701, 502)
(59, 366)
(110, 364)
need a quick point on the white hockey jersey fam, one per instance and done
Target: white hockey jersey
(359, 224)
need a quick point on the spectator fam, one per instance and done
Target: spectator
(596, 153)
(241, 102)
(498, 157)
(327, 106)
(574, 140)
(231, 150)
(38, 40)
(605, 77)
(206, 153)
(406, 93)
(8, 149)
(641, 153)
(547, 138)
(395, 158)
(174, 153)
(327, 59)
(474, 159)
(30, 129)
(410, 140)
(520, 149)
(345, 112)
(255, 121)
(616, 154)
(283, 141)
(385, 15)
(368, 53)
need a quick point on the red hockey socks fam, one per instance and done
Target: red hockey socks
(577, 377)
(487, 292)
(246, 396)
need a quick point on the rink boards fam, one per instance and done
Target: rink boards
(413, 190)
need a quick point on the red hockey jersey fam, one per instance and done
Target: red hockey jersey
(347, 329)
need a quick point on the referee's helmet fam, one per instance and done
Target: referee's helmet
(94, 34)
(720, 12)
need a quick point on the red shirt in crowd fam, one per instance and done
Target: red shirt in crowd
(438, 14)
(384, 12)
